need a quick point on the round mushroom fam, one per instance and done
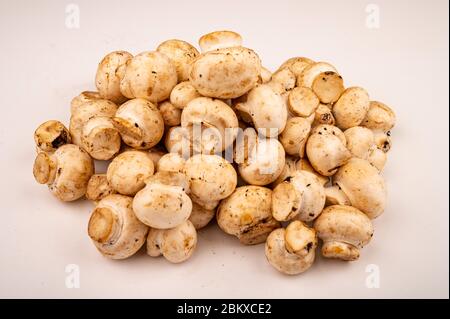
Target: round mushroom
(171, 162)
(296, 65)
(351, 108)
(182, 94)
(100, 138)
(294, 136)
(219, 39)
(181, 54)
(170, 114)
(50, 135)
(200, 216)
(83, 97)
(328, 87)
(302, 101)
(312, 71)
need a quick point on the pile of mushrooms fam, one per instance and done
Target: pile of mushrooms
(292, 159)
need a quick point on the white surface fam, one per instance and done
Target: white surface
(404, 63)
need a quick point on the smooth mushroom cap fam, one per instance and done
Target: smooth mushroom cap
(294, 136)
(379, 117)
(182, 94)
(171, 162)
(149, 75)
(114, 229)
(176, 244)
(286, 202)
(66, 172)
(100, 138)
(82, 98)
(328, 86)
(200, 216)
(98, 187)
(302, 101)
(225, 73)
(85, 112)
(351, 108)
(140, 123)
(360, 140)
(313, 70)
(211, 177)
(128, 172)
(344, 230)
(170, 114)
(219, 39)
(110, 72)
(291, 250)
(247, 214)
(363, 185)
(181, 54)
(50, 135)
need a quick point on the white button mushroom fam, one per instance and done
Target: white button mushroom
(247, 214)
(344, 230)
(149, 75)
(291, 250)
(304, 165)
(110, 72)
(328, 86)
(181, 54)
(98, 187)
(100, 138)
(296, 65)
(380, 119)
(114, 229)
(219, 39)
(163, 203)
(66, 171)
(363, 185)
(265, 75)
(351, 108)
(128, 172)
(323, 115)
(50, 135)
(335, 196)
(170, 114)
(200, 216)
(176, 244)
(294, 136)
(178, 140)
(140, 123)
(171, 162)
(312, 71)
(182, 94)
(82, 98)
(284, 79)
(302, 102)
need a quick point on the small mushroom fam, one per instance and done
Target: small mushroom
(312, 71)
(50, 135)
(140, 123)
(344, 230)
(114, 229)
(296, 65)
(100, 138)
(66, 171)
(291, 250)
(328, 86)
(363, 185)
(170, 114)
(200, 216)
(149, 75)
(247, 214)
(323, 115)
(163, 203)
(83, 97)
(361, 143)
(219, 39)
(171, 162)
(351, 108)
(302, 101)
(110, 72)
(182, 94)
(294, 136)
(379, 117)
(176, 244)
(283, 77)
(181, 54)
(128, 172)
(98, 187)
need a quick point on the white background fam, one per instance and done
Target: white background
(404, 63)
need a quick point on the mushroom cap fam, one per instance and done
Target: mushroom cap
(182, 94)
(82, 98)
(98, 187)
(85, 112)
(100, 138)
(302, 101)
(247, 214)
(379, 117)
(294, 136)
(171, 162)
(149, 75)
(140, 123)
(310, 72)
(351, 108)
(363, 185)
(328, 86)
(304, 165)
(50, 135)
(128, 172)
(377, 158)
(291, 250)
(265, 75)
(66, 172)
(323, 115)
(284, 77)
(114, 229)
(110, 72)
(360, 140)
(335, 196)
(162, 206)
(178, 140)
(296, 64)
(286, 202)
(219, 39)
(290, 166)
(181, 54)
(225, 73)
(266, 109)
(200, 216)
(170, 114)
(211, 177)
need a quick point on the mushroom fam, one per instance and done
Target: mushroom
(291, 250)
(326, 149)
(176, 244)
(178, 140)
(114, 229)
(110, 72)
(328, 87)
(200, 216)
(66, 171)
(225, 73)
(181, 54)
(283, 77)
(98, 187)
(302, 101)
(216, 123)
(335, 196)
(301, 196)
(265, 76)
(182, 94)
(361, 143)
(380, 119)
(83, 97)
(323, 115)
(50, 135)
(128, 172)
(211, 178)
(351, 108)
(344, 230)
(304, 165)
(247, 214)
(149, 75)
(85, 112)
(290, 166)
(140, 123)
(163, 203)
(219, 39)
(266, 109)
(294, 136)
(171, 162)
(312, 71)
(170, 114)
(363, 185)
(100, 138)
(296, 65)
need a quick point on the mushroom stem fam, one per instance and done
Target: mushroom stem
(340, 250)
(103, 225)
